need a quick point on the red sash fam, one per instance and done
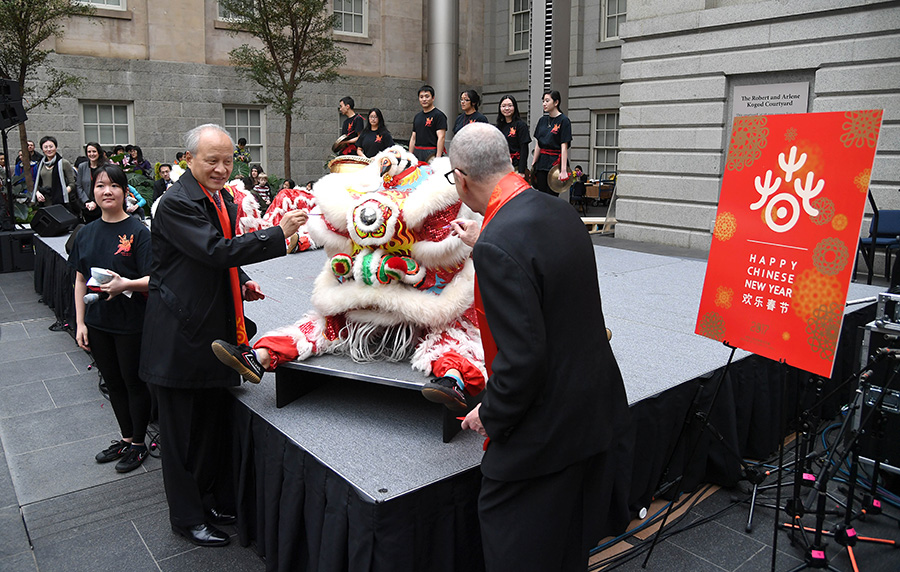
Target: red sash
(508, 187)
(233, 278)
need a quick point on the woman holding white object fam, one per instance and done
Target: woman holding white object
(111, 328)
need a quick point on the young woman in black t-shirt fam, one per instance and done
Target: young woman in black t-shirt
(553, 133)
(469, 101)
(515, 130)
(111, 328)
(376, 138)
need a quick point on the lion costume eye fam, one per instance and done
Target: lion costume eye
(371, 219)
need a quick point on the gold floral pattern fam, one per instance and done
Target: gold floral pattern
(862, 180)
(839, 222)
(748, 138)
(861, 128)
(724, 296)
(825, 206)
(726, 225)
(790, 134)
(830, 256)
(813, 289)
(712, 326)
(823, 328)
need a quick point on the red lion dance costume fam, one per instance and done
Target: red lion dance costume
(397, 285)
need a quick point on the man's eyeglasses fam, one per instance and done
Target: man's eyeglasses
(452, 179)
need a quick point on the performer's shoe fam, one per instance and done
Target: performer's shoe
(117, 450)
(202, 534)
(445, 390)
(220, 518)
(132, 459)
(239, 358)
(292, 243)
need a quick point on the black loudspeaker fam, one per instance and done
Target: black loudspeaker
(54, 220)
(16, 251)
(11, 110)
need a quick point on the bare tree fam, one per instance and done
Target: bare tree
(24, 26)
(298, 47)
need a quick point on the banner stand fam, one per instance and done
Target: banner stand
(703, 416)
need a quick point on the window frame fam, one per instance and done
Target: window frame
(103, 6)
(129, 110)
(512, 28)
(365, 21)
(596, 116)
(605, 17)
(233, 129)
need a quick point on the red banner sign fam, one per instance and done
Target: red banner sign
(786, 232)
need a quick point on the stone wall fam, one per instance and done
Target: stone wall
(169, 98)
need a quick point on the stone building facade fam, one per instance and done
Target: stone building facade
(651, 96)
(161, 66)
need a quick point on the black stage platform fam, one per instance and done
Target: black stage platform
(355, 476)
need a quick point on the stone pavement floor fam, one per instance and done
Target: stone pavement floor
(61, 511)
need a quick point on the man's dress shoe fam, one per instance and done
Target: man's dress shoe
(202, 534)
(219, 517)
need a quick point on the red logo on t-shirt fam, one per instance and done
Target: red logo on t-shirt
(378, 138)
(124, 245)
(555, 128)
(428, 122)
(512, 132)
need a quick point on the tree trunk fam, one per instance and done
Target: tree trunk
(288, 120)
(26, 158)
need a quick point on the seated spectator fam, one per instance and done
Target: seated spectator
(118, 156)
(137, 163)
(288, 184)
(164, 182)
(250, 180)
(241, 153)
(135, 203)
(262, 192)
(35, 159)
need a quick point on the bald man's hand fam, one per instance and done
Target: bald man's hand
(292, 221)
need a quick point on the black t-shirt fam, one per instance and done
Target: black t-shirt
(124, 248)
(518, 138)
(426, 126)
(355, 124)
(551, 133)
(374, 142)
(462, 120)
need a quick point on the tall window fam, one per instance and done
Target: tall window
(114, 4)
(351, 17)
(605, 142)
(519, 26)
(247, 122)
(106, 123)
(613, 18)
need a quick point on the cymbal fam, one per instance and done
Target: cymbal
(341, 142)
(554, 183)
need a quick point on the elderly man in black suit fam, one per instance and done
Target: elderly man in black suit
(554, 406)
(195, 297)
